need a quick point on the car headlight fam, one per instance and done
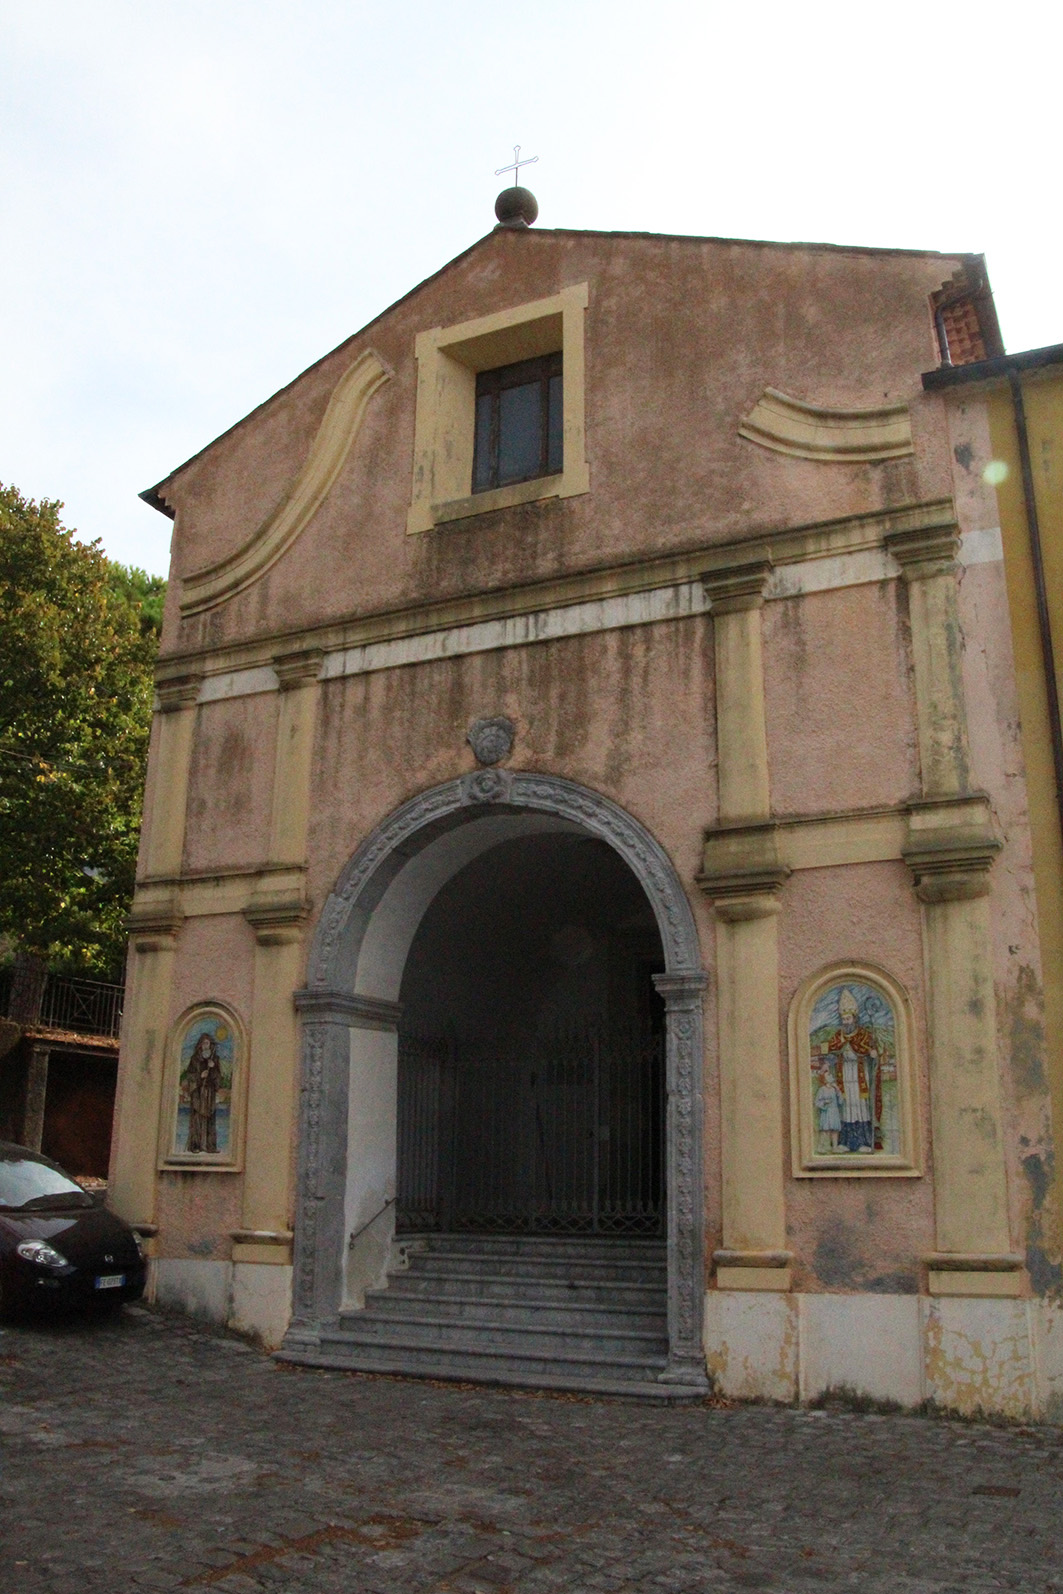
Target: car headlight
(139, 1243)
(40, 1252)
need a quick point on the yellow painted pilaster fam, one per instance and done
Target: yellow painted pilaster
(737, 597)
(743, 876)
(154, 924)
(1043, 402)
(277, 914)
(928, 565)
(173, 758)
(950, 850)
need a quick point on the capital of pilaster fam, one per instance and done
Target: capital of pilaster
(924, 552)
(278, 918)
(681, 992)
(154, 921)
(951, 848)
(743, 871)
(177, 692)
(298, 668)
(734, 587)
(321, 1005)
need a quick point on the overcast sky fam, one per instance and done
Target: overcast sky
(200, 197)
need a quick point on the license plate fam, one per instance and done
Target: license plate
(110, 1281)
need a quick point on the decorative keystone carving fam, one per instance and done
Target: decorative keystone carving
(487, 786)
(180, 691)
(491, 739)
(295, 669)
(739, 586)
(924, 552)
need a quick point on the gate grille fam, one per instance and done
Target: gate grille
(565, 1137)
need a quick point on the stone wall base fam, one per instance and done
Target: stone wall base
(251, 1297)
(970, 1354)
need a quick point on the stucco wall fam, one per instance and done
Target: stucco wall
(683, 335)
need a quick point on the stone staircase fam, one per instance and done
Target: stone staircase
(571, 1312)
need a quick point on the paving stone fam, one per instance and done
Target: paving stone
(184, 1459)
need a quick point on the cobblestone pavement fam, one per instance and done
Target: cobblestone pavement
(146, 1453)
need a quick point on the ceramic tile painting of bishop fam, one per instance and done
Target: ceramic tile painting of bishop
(854, 1072)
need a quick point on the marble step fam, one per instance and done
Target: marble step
(440, 1282)
(579, 1316)
(561, 1266)
(584, 1378)
(488, 1363)
(537, 1335)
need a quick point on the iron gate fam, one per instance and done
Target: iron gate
(565, 1136)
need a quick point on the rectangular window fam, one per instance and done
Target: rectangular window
(519, 423)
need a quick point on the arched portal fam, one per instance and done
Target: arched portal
(425, 851)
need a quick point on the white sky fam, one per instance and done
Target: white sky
(200, 197)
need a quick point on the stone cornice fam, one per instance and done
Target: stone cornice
(697, 562)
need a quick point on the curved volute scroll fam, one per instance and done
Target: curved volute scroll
(814, 431)
(205, 589)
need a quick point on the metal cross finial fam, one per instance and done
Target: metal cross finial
(517, 164)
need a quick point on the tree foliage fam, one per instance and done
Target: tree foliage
(78, 640)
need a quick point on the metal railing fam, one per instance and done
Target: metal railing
(565, 1136)
(76, 1006)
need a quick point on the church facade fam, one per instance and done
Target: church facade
(586, 928)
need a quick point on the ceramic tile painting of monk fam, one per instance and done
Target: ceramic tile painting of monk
(205, 1094)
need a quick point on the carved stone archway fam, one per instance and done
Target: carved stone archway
(351, 985)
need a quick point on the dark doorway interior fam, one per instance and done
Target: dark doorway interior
(531, 1074)
(78, 1110)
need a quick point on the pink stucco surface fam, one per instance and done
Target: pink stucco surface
(857, 1234)
(683, 335)
(230, 785)
(839, 700)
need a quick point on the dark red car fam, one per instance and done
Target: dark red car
(58, 1246)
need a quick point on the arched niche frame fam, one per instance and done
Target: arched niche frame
(854, 1110)
(350, 1018)
(201, 1127)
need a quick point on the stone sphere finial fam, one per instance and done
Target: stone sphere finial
(516, 207)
